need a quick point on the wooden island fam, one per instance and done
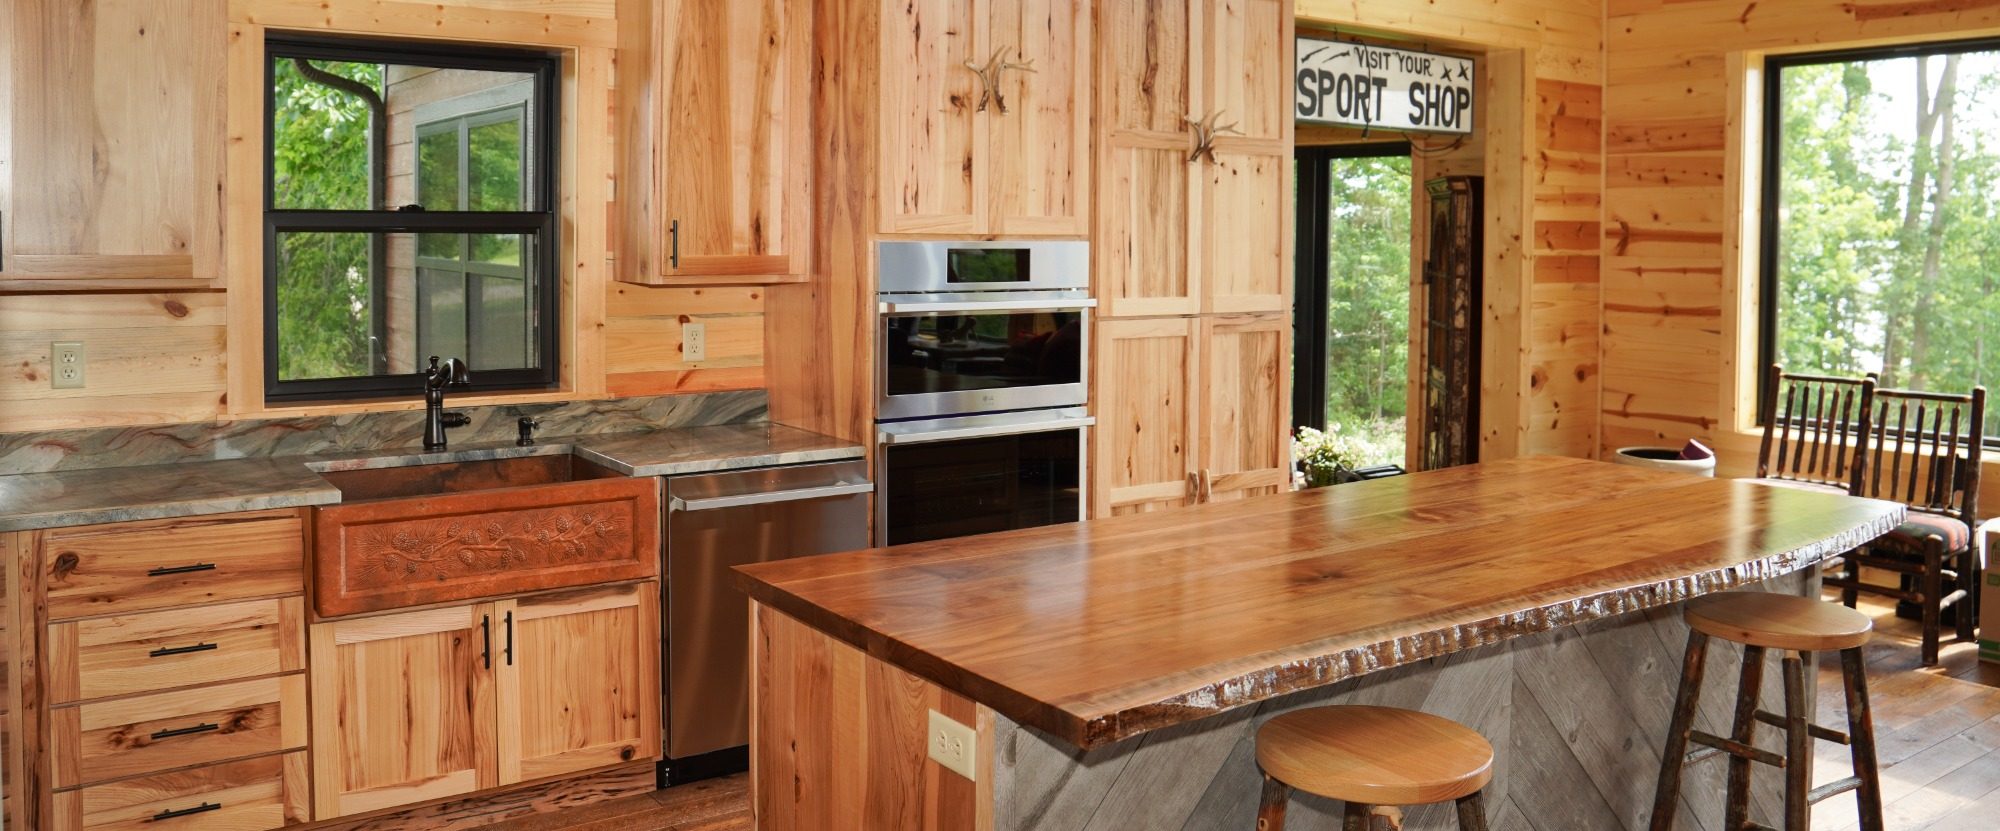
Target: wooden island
(1114, 671)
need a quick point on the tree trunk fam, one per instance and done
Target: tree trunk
(1927, 285)
(1895, 307)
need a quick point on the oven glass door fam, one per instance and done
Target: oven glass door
(952, 363)
(959, 487)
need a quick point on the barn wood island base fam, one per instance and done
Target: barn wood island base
(1114, 672)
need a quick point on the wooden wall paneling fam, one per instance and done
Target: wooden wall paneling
(934, 134)
(826, 327)
(1041, 145)
(243, 206)
(715, 115)
(643, 339)
(1682, 125)
(1504, 362)
(819, 705)
(588, 216)
(1145, 219)
(565, 23)
(1149, 416)
(112, 178)
(152, 357)
(1246, 423)
(577, 683)
(1534, 399)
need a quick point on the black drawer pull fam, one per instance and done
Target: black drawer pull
(185, 731)
(190, 569)
(177, 813)
(165, 651)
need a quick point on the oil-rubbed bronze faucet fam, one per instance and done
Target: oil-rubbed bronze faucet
(450, 373)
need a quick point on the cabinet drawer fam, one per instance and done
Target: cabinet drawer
(150, 651)
(241, 796)
(131, 736)
(251, 795)
(134, 566)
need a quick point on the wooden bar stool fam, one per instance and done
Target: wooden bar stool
(1369, 757)
(1795, 625)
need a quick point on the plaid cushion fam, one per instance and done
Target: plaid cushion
(1795, 484)
(1920, 527)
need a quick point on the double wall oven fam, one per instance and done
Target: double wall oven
(981, 371)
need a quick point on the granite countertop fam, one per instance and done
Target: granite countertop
(55, 499)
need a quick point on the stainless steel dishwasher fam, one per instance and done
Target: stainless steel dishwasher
(716, 521)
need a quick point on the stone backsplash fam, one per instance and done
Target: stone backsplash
(201, 441)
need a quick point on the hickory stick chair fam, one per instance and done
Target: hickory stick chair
(1924, 453)
(1815, 430)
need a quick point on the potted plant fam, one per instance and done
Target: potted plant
(1323, 458)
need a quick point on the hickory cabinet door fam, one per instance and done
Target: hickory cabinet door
(724, 186)
(1147, 412)
(403, 708)
(1145, 91)
(578, 680)
(1041, 140)
(933, 136)
(1246, 412)
(112, 133)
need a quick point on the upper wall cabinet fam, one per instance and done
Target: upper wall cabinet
(1194, 155)
(111, 142)
(985, 117)
(718, 172)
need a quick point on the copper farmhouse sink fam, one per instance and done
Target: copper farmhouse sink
(422, 534)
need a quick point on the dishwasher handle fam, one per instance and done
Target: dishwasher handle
(740, 500)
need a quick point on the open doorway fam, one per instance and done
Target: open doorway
(1353, 302)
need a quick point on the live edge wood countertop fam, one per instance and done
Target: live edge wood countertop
(1106, 629)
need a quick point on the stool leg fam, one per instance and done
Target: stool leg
(1667, 796)
(1798, 747)
(1472, 812)
(1357, 817)
(1850, 570)
(1968, 581)
(1861, 736)
(1745, 732)
(1271, 808)
(1932, 587)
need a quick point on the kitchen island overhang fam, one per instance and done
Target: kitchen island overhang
(1083, 646)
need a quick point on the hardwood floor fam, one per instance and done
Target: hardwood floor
(1938, 731)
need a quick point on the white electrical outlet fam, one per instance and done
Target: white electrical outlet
(952, 745)
(694, 341)
(66, 365)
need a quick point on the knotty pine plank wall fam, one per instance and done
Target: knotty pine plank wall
(158, 357)
(1541, 378)
(1679, 325)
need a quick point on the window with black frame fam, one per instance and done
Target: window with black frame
(410, 212)
(1881, 216)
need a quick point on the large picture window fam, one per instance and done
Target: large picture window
(1881, 212)
(409, 213)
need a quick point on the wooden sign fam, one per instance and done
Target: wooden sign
(1380, 88)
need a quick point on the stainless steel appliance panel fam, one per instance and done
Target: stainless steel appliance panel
(968, 359)
(981, 265)
(954, 477)
(716, 522)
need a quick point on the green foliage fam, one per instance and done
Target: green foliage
(1368, 305)
(320, 162)
(1877, 272)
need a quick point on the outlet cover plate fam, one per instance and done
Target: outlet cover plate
(952, 745)
(694, 342)
(66, 365)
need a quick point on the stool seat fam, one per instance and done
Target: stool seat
(1375, 755)
(1779, 621)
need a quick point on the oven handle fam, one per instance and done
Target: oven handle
(988, 430)
(893, 308)
(743, 499)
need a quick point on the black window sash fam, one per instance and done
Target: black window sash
(540, 222)
(1771, 187)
